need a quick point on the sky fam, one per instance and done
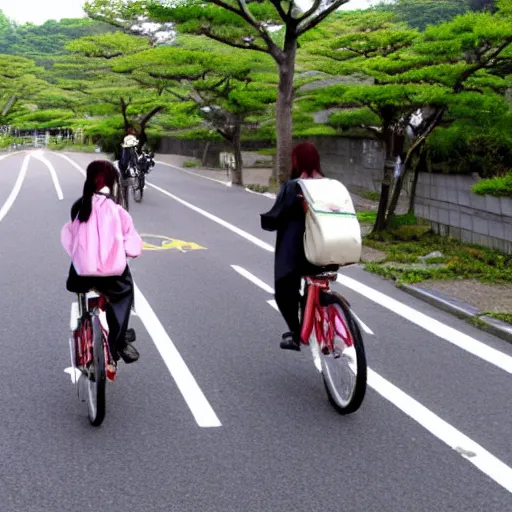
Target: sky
(38, 11)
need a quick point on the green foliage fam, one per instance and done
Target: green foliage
(504, 317)
(191, 163)
(461, 261)
(500, 186)
(50, 38)
(366, 216)
(421, 13)
(108, 45)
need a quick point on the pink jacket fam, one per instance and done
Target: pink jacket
(99, 247)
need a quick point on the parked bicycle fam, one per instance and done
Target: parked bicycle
(332, 332)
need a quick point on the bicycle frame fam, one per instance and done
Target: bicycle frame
(89, 304)
(316, 316)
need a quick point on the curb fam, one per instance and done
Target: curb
(270, 195)
(460, 309)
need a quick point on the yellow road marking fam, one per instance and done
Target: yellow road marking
(168, 243)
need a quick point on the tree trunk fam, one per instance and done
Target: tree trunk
(389, 166)
(380, 222)
(124, 108)
(236, 175)
(417, 169)
(284, 131)
(205, 153)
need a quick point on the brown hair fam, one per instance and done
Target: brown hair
(305, 158)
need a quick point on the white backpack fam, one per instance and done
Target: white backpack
(333, 233)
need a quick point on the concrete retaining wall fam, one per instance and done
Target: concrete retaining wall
(454, 210)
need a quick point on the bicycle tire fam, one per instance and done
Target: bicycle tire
(125, 192)
(96, 383)
(138, 189)
(353, 403)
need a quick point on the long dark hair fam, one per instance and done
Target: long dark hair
(305, 158)
(100, 173)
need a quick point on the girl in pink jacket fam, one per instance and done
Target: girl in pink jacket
(98, 239)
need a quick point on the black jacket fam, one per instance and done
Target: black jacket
(287, 217)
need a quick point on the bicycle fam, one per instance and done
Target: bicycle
(90, 353)
(138, 184)
(332, 332)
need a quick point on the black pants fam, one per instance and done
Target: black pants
(119, 292)
(288, 299)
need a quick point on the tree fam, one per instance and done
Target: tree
(436, 72)
(18, 81)
(227, 87)
(422, 13)
(268, 26)
(105, 88)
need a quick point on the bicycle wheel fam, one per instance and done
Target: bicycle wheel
(125, 192)
(138, 187)
(96, 382)
(344, 368)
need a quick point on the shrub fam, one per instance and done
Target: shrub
(500, 186)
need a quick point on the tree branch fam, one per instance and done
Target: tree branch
(304, 25)
(179, 96)
(481, 64)
(149, 115)
(124, 108)
(310, 12)
(280, 10)
(208, 33)
(177, 77)
(423, 137)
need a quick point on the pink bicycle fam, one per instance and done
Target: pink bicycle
(332, 332)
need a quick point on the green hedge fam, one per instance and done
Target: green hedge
(501, 186)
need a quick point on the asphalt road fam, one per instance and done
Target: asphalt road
(215, 417)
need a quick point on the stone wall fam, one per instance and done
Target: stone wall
(196, 149)
(357, 162)
(453, 209)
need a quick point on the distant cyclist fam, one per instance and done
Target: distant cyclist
(287, 217)
(129, 155)
(102, 250)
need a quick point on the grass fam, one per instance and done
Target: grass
(372, 196)
(73, 148)
(461, 261)
(191, 163)
(267, 152)
(504, 317)
(264, 188)
(366, 216)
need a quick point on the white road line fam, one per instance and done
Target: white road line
(80, 169)
(218, 220)
(268, 195)
(225, 183)
(462, 444)
(450, 334)
(273, 304)
(457, 338)
(365, 328)
(7, 155)
(253, 279)
(41, 158)
(16, 189)
(470, 450)
(197, 402)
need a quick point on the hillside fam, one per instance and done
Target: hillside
(39, 42)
